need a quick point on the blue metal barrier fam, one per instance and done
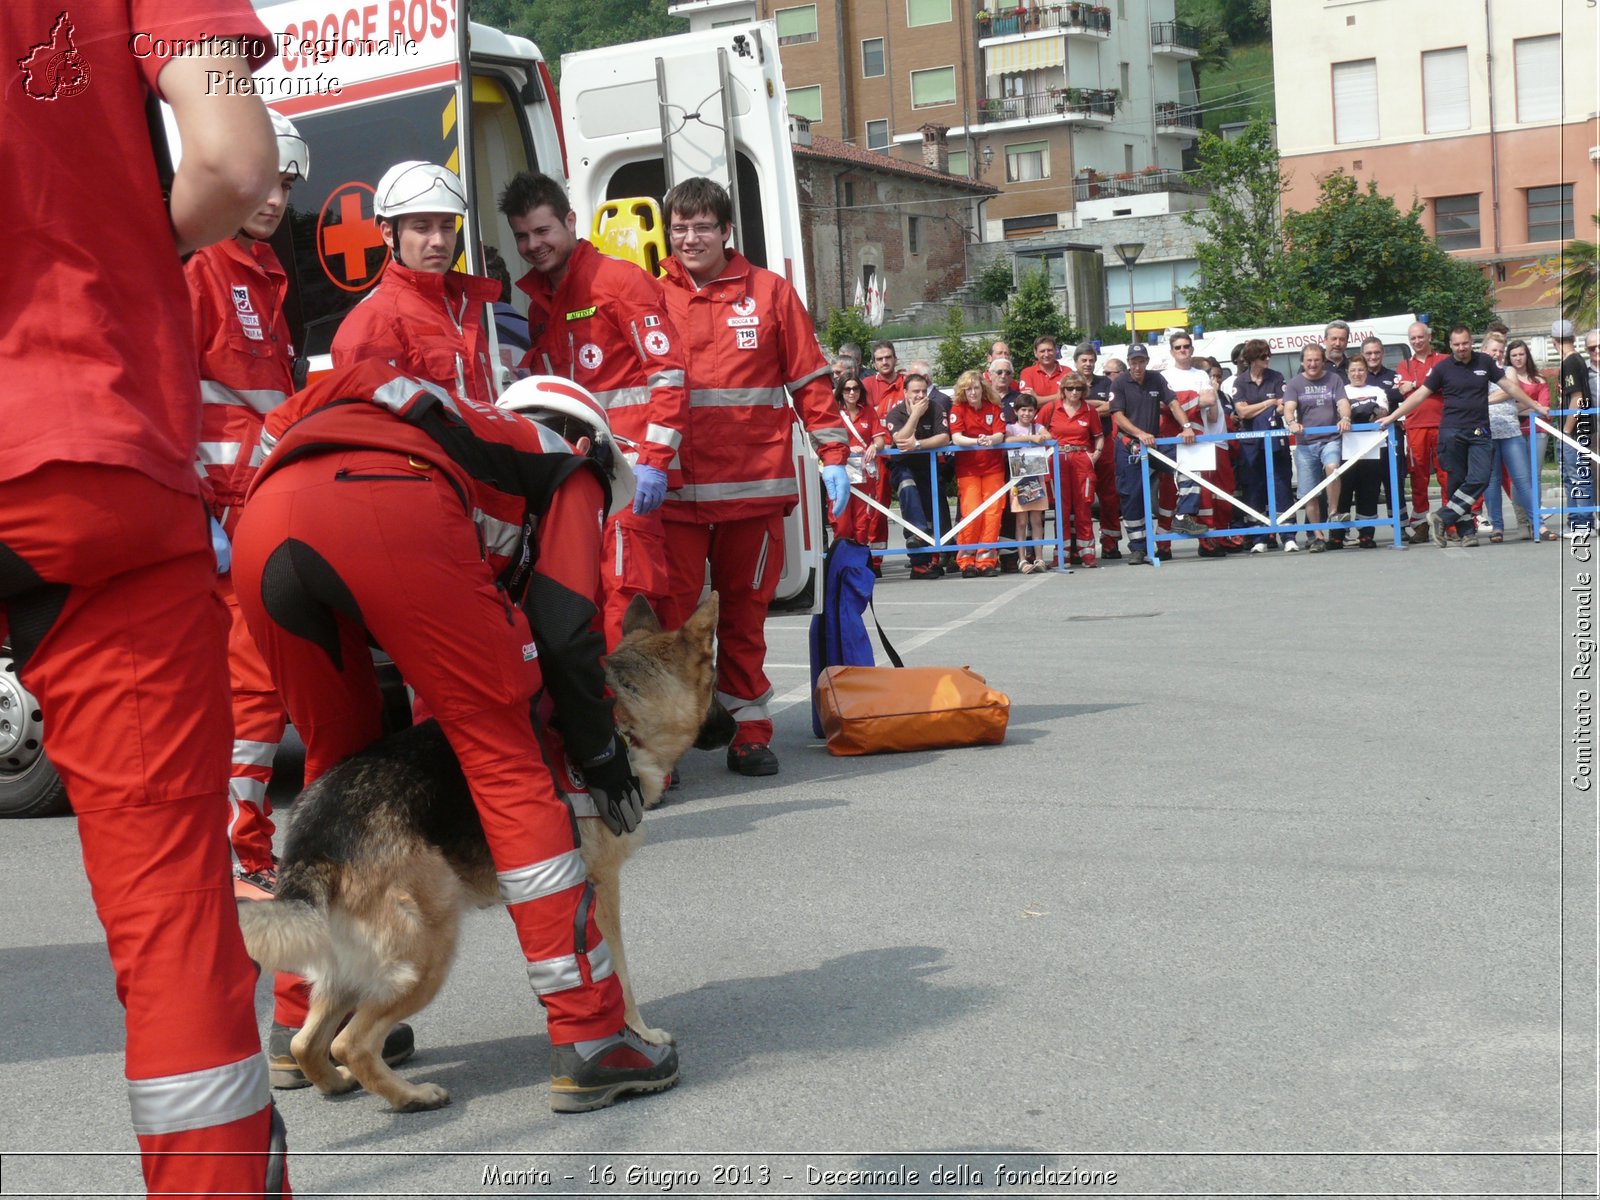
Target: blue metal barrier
(938, 543)
(1274, 521)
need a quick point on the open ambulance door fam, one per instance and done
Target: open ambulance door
(639, 118)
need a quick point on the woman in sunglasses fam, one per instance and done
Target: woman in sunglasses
(867, 436)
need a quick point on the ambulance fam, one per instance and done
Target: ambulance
(370, 83)
(1284, 341)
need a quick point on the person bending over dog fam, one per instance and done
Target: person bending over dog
(389, 509)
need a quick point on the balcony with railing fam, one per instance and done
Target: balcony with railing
(1072, 19)
(1177, 120)
(1174, 38)
(1093, 185)
(1092, 104)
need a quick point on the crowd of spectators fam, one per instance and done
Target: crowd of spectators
(1460, 418)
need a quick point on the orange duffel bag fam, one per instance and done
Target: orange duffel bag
(879, 710)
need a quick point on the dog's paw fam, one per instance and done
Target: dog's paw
(342, 1081)
(423, 1097)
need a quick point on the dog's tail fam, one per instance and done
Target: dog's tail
(286, 935)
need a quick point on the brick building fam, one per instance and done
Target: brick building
(869, 218)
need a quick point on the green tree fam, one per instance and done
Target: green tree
(956, 352)
(559, 27)
(1241, 278)
(1357, 255)
(994, 282)
(1580, 282)
(1033, 312)
(848, 325)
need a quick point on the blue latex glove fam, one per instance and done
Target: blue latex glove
(650, 489)
(837, 482)
(221, 548)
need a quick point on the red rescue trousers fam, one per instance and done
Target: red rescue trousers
(1077, 497)
(746, 558)
(339, 545)
(973, 489)
(107, 584)
(633, 562)
(1422, 460)
(859, 520)
(258, 723)
(1105, 476)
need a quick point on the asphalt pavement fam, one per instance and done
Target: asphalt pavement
(1279, 884)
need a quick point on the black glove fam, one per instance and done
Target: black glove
(614, 787)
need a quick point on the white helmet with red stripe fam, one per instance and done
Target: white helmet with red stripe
(294, 156)
(573, 412)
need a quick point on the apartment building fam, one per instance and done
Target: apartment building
(1485, 110)
(1048, 101)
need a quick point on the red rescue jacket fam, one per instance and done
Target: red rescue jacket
(606, 327)
(750, 346)
(429, 326)
(246, 363)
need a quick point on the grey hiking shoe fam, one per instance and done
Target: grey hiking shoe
(585, 1076)
(1187, 524)
(286, 1074)
(1436, 527)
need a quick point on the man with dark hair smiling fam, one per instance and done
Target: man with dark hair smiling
(1463, 380)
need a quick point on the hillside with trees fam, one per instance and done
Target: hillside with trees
(1234, 70)
(559, 27)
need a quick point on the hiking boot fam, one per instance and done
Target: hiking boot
(1210, 549)
(1437, 528)
(1136, 558)
(927, 571)
(752, 758)
(1367, 542)
(1164, 554)
(595, 1074)
(286, 1074)
(1470, 539)
(1110, 553)
(1317, 546)
(969, 572)
(1336, 542)
(1420, 532)
(1187, 524)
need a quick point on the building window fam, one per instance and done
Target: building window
(806, 102)
(960, 163)
(927, 12)
(914, 235)
(1446, 107)
(1122, 74)
(1127, 157)
(1015, 227)
(877, 135)
(933, 87)
(1455, 223)
(872, 58)
(1538, 62)
(1122, 10)
(796, 25)
(1027, 161)
(1355, 101)
(849, 193)
(1550, 213)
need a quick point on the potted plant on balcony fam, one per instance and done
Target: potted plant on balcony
(1072, 98)
(994, 108)
(1075, 14)
(1151, 170)
(985, 18)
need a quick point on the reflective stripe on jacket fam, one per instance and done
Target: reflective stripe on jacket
(750, 347)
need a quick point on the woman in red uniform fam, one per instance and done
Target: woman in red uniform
(977, 420)
(1076, 428)
(867, 437)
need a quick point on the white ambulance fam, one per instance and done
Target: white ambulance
(370, 83)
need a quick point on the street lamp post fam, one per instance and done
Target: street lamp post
(1129, 253)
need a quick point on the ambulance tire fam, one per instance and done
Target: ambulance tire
(29, 785)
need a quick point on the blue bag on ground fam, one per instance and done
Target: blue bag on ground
(839, 633)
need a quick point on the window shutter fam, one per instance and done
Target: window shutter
(1538, 62)
(1445, 102)
(1355, 101)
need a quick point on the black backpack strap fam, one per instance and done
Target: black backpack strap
(888, 647)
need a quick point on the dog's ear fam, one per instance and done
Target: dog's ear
(639, 615)
(701, 627)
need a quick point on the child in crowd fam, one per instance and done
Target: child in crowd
(1076, 428)
(1028, 498)
(976, 420)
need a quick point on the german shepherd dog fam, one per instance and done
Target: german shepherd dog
(385, 850)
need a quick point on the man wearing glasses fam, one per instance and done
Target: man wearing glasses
(423, 317)
(1580, 384)
(750, 348)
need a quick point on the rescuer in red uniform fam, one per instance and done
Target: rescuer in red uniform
(236, 293)
(750, 346)
(423, 317)
(602, 322)
(107, 573)
(392, 511)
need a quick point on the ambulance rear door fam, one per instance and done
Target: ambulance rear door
(640, 118)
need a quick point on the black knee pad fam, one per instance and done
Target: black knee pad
(304, 595)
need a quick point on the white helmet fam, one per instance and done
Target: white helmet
(540, 396)
(415, 186)
(294, 156)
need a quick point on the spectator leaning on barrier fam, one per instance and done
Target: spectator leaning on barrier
(977, 422)
(1317, 413)
(1580, 386)
(1464, 380)
(1138, 399)
(1421, 426)
(1258, 404)
(1076, 428)
(1003, 378)
(1368, 402)
(918, 423)
(1105, 470)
